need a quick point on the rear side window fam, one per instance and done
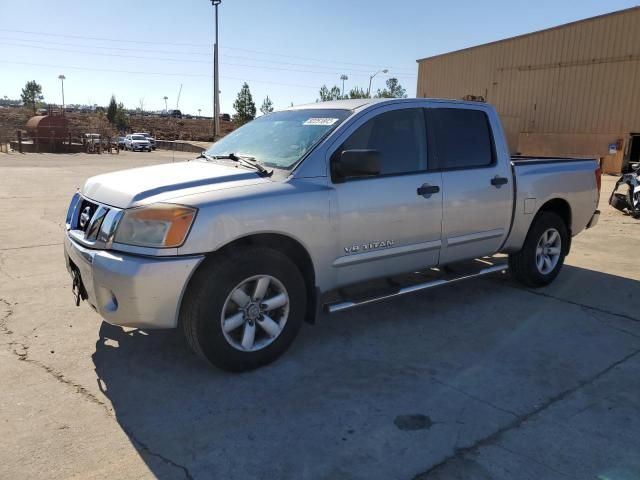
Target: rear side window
(462, 137)
(399, 136)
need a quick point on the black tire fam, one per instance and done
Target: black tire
(204, 300)
(619, 202)
(523, 263)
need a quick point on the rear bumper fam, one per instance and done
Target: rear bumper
(129, 290)
(594, 219)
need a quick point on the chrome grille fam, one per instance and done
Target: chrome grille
(91, 223)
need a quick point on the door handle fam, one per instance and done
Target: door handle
(427, 190)
(497, 181)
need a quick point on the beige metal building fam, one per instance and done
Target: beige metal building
(571, 90)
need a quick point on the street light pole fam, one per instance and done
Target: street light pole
(165, 103)
(216, 84)
(343, 77)
(371, 79)
(62, 78)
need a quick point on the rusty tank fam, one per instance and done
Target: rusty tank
(48, 129)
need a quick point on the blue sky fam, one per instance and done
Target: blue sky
(286, 49)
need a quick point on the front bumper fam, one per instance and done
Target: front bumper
(130, 290)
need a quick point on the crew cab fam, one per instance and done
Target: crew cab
(295, 211)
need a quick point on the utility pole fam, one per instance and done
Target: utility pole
(199, 110)
(216, 84)
(62, 78)
(165, 103)
(371, 78)
(343, 77)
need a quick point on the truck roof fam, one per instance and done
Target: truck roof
(360, 103)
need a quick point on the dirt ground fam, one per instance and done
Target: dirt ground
(485, 379)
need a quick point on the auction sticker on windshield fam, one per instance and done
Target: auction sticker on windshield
(320, 121)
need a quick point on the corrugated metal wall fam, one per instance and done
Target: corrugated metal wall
(578, 78)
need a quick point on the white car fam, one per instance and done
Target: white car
(136, 142)
(148, 136)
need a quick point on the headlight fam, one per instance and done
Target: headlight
(161, 225)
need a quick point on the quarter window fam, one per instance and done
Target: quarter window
(462, 137)
(399, 136)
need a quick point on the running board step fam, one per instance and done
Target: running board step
(347, 304)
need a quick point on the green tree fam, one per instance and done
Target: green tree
(327, 95)
(267, 106)
(121, 120)
(393, 90)
(244, 106)
(357, 92)
(32, 94)
(112, 110)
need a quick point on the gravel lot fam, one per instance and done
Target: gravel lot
(481, 380)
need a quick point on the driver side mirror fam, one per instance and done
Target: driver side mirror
(350, 164)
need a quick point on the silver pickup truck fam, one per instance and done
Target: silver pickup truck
(282, 217)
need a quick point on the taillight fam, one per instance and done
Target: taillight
(598, 174)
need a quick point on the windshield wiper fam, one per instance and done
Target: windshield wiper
(205, 156)
(245, 160)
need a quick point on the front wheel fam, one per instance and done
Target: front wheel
(543, 252)
(242, 311)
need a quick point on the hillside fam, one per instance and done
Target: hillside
(13, 119)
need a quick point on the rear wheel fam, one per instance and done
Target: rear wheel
(244, 310)
(543, 252)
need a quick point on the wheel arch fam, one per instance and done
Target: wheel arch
(560, 207)
(290, 247)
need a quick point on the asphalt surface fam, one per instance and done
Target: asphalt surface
(480, 380)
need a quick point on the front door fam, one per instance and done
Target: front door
(390, 223)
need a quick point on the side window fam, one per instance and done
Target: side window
(462, 137)
(399, 136)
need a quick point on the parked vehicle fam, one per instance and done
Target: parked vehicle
(280, 217)
(136, 143)
(148, 136)
(121, 142)
(174, 113)
(629, 201)
(91, 138)
(225, 117)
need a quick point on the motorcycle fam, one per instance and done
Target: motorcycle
(628, 202)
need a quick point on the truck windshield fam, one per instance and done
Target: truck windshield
(280, 139)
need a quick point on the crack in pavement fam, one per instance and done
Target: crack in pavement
(30, 246)
(21, 351)
(460, 452)
(592, 314)
(578, 304)
(473, 397)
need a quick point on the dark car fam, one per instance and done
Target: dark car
(174, 113)
(225, 117)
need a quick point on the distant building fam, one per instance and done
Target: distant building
(571, 90)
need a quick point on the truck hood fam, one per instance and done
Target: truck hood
(160, 183)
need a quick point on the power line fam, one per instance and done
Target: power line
(184, 53)
(147, 42)
(119, 55)
(173, 74)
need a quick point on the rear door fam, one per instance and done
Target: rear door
(389, 223)
(476, 180)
